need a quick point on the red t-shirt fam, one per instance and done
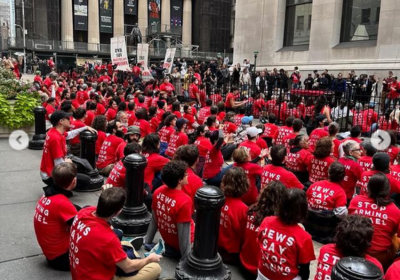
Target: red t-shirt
(277, 173)
(100, 110)
(283, 247)
(154, 123)
(385, 220)
(50, 223)
(172, 207)
(325, 195)
(250, 252)
(193, 91)
(49, 110)
(216, 98)
(232, 225)
(238, 119)
(194, 183)
(270, 130)
(253, 149)
(395, 171)
(281, 133)
(204, 145)
(298, 162)
(252, 170)
(54, 147)
(204, 112)
(393, 273)
(336, 143)
(155, 163)
(214, 162)
(101, 136)
(82, 96)
(110, 114)
(315, 135)
(108, 150)
(229, 128)
(94, 248)
(119, 153)
(329, 255)
(365, 163)
(353, 172)
(287, 138)
(75, 124)
(176, 140)
(167, 87)
(228, 99)
(144, 127)
(165, 133)
(392, 151)
(261, 143)
(363, 182)
(89, 118)
(318, 168)
(117, 175)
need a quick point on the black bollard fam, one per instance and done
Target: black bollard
(203, 261)
(134, 218)
(87, 163)
(38, 139)
(354, 268)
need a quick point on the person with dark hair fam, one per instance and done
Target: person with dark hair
(320, 160)
(190, 155)
(107, 154)
(50, 109)
(298, 157)
(240, 115)
(229, 126)
(213, 172)
(233, 215)
(232, 100)
(77, 122)
(55, 146)
(111, 111)
(392, 150)
(178, 138)
(242, 159)
(318, 132)
(204, 112)
(297, 126)
(176, 109)
(381, 164)
(100, 124)
(155, 162)
(283, 131)
(202, 141)
(95, 249)
(384, 214)
(276, 172)
(166, 131)
(171, 206)
(353, 170)
(353, 239)
(327, 195)
(355, 133)
(141, 122)
(131, 113)
(90, 112)
(282, 238)
(153, 120)
(270, 130)
(54, 215)
(333, 130)
(267, 205)
(368, 151)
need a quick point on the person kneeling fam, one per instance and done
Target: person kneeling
(96, 251)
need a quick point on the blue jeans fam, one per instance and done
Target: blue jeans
(216, 180)
(163, 148)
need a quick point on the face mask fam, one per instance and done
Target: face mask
(326, 123)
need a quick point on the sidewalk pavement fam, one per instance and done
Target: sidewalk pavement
(20, 188)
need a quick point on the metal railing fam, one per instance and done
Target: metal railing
(163, 28)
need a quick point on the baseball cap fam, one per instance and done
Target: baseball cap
(320, 118)
(59, 115)
(247, 119)
(253, 131)
(180, 122)
(133, 129)
(381, 161)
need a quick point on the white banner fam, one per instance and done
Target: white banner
(169, 59)
(143, 55)
(119, 55)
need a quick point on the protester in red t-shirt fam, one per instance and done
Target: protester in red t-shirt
(50, 109)
(166, 131)
(82, 94)
(192, 123)
(107, 154)
(298, 158)
(354, 171)
(100, 124)
(111, 111)
(250, 144)
(90, 112)
(213, 172)
(319, 132)
(320, 160)
(392, 150)
(178, 138)
(393, 273)
(78, 122)
(365, 160)
(204, 112)
(229, 126)
(353, 238)
(297, 126)
(270, 130)
(204, 145)
(172, 212)
(230, 101)
(141, 122)
(385, 217)
(283, 131)
(96, 251)
(267, 205)
(54, 215)
(233, 215)
(286, 248)
(238, 118)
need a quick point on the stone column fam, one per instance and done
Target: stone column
(93, 25)
(119, 18)
(187, 23)
(165, 15)
(143, 10)
(67, 25)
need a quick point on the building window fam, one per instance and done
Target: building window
(360, 20)
(297, 11)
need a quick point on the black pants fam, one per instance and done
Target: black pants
(82, 180)
(60, 263)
